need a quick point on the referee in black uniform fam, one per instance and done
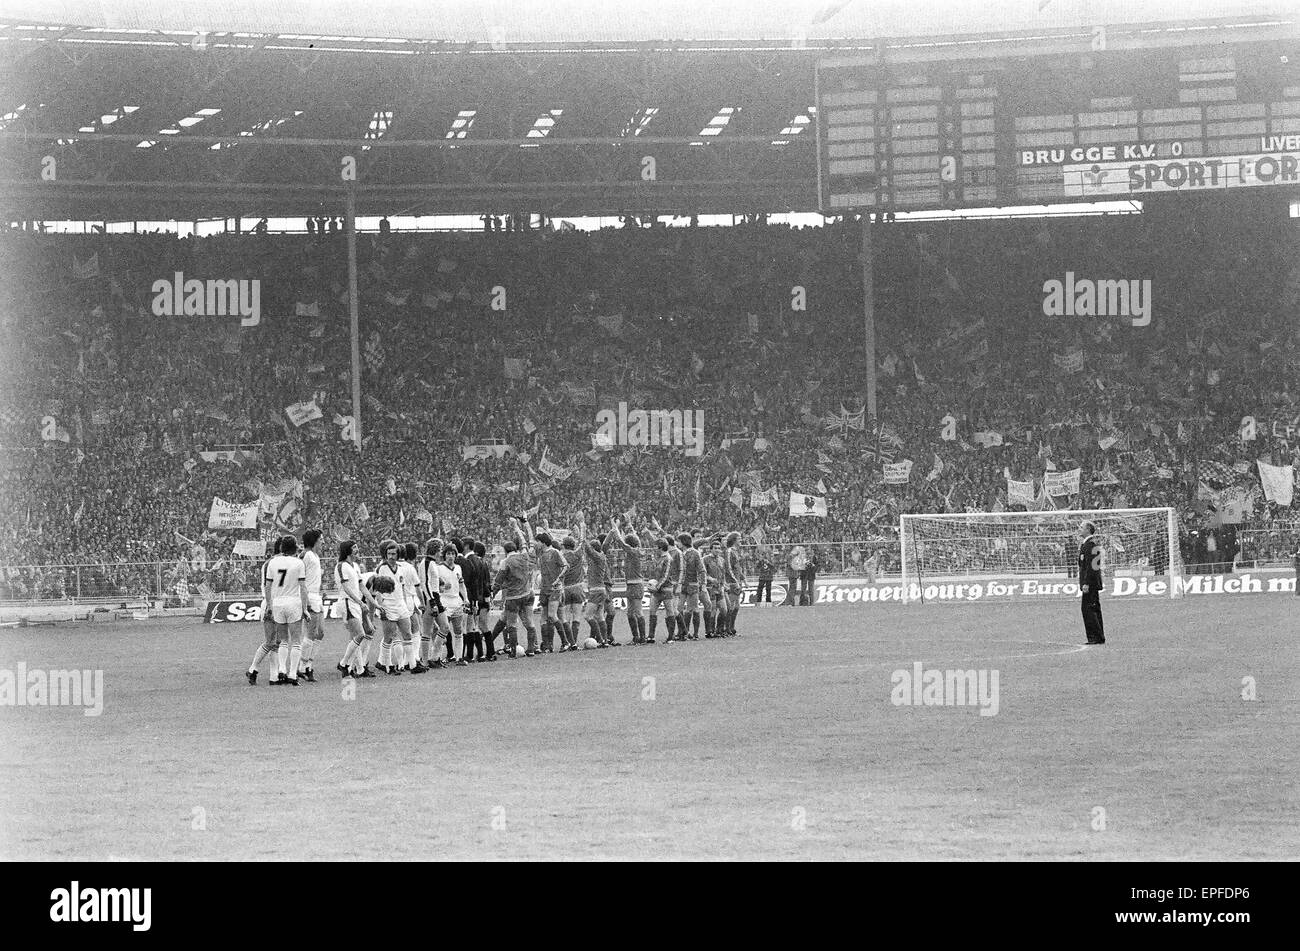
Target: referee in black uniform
(1090, 582)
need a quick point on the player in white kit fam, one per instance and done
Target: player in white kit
(286, 595)
(355, 600)
(394, 606)
(269, 646)
(433, 630)
(451, 591)
(415, 603)
(313, 629)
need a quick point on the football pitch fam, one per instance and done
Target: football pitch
(783, 743)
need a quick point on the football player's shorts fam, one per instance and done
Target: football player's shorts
(635, 595)
(667, 596)
(519, 606)
(399, 625)
(691, 597)
(314, 603)
(286, 610)
(453, 609)
(598, 595)
(574, 594)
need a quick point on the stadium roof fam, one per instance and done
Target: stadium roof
(594, 21)
(241, 109)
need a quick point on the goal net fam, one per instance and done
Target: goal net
(1034, 555)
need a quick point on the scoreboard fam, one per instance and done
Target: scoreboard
(1056, 124)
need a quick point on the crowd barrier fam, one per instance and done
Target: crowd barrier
(1002, 589)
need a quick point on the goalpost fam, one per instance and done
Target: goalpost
(1033, 553)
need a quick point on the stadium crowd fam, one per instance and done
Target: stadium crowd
(106, 407)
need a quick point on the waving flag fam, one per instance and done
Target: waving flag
(807, 505)
(1216, 472)
(1278, 482)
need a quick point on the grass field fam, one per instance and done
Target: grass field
(780, 744)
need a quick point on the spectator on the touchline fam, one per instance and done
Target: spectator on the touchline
(806, 578)
(766, 572)
(794, 566)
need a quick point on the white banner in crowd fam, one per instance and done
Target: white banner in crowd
(220, 455)
(250, 547)
(471, 453)
(229, 515)
(304, 412)
(898, 473)
(1020, 493)
(1278, 482)
(1071, 362)
(985, 440)
(801, 504)
(1062, 483)
(553, 471)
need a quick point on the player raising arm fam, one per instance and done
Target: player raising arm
(634, 582)
(514, 579)
(666, 571)
(550, 590)
(597, 594)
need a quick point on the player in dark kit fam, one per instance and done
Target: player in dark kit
(1091, 582)
(478, 584)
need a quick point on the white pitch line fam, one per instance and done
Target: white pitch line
(1070, 649)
